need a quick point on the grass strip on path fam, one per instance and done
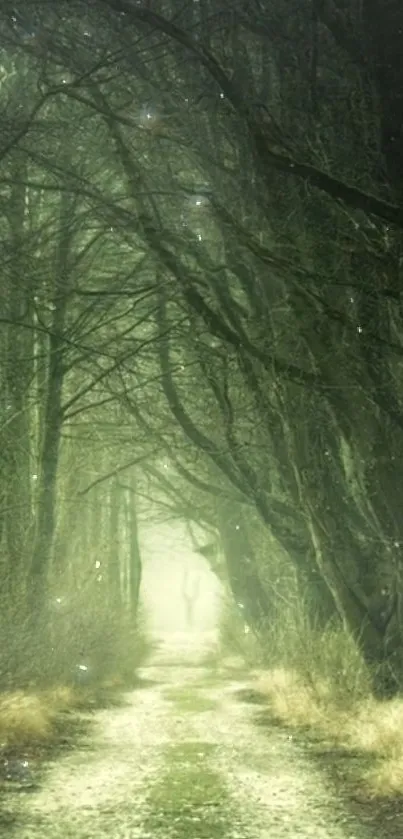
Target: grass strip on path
(190, 800)
(189, 700)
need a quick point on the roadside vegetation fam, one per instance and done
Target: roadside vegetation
(237, 645)
(85, 660)
(314, 681)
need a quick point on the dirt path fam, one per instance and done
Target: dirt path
(182, 760)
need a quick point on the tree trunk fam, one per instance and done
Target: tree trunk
(114, 545)
(18, 369)
(377, 635)
(135, 564)
(53, 415)
(243, 576)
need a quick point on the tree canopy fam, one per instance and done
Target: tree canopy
(201, 291)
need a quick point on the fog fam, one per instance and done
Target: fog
(179, 591)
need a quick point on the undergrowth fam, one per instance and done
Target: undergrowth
(81, 657)
(315, 680)
(318, 682)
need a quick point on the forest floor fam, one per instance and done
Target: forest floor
(182, 758)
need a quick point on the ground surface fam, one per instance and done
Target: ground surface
(182, 759)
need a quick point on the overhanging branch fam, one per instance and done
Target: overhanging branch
(336, 189)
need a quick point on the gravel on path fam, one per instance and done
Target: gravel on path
(105, 787)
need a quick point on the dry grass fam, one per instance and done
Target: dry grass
(35, 718)
(385, 779)
(25, 718)
(377, 727)
(61, 697)
(366, 726)
(39, 717)
(318, 683)
(41, 689)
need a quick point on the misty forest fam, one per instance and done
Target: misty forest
(201, 329)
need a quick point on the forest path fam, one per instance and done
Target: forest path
(182, 759)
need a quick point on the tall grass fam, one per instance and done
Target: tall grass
(81, 640)
(316, 680)
(81, 655)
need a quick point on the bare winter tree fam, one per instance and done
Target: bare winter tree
(275, 237)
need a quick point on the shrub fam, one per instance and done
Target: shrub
(82, 641)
